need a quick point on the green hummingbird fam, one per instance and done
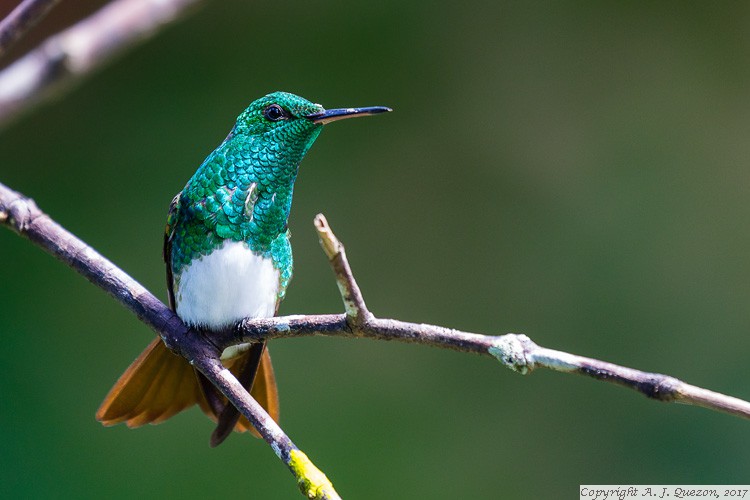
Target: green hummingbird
(228, 257)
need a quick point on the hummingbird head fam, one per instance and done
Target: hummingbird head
(290, 122)
(277, 116)
(259, 160)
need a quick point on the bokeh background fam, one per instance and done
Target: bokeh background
(575, 171)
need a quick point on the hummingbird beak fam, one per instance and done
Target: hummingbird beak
(331, 115)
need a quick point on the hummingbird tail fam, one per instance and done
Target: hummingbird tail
(160, 384)
(156, 386)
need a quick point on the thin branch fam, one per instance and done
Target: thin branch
(653, 385)
(517, 352)
(21, 19)
(22, 215)
(68, 56)
(514, 351)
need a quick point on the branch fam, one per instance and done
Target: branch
(68, 56)
(22, 215)
(516, 352)
(21, 19)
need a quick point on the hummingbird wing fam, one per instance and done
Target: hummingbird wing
(167, 250)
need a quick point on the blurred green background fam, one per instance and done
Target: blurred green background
(575, 171)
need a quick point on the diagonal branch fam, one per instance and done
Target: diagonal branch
(21, 19)
(66, 57)
(22, 215)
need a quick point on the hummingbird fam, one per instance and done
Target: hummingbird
(228, 257)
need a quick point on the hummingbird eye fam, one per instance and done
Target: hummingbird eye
(274, 113)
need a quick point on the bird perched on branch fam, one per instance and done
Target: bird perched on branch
(228, 257)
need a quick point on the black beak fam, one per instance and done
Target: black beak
(332, 115)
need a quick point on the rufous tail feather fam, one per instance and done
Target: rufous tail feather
(160, 384)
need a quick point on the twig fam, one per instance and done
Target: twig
(22, 215)
(21, 19)
(514, 351)
(357, 314)
(80, 49)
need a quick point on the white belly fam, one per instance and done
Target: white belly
(225, 286)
